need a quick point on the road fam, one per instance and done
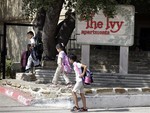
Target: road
(6, 102)
(8, 105)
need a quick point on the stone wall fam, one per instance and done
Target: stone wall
(16, 41)
(11, 11)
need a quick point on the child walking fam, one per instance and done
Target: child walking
(78, 87)
(59, 70)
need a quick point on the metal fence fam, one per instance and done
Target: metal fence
(1, 64)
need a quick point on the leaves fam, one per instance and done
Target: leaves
(30, 7)
(85, 8)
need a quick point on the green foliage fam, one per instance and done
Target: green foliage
(85, 8)
(8, 68)
(8, 72)
(32, 6)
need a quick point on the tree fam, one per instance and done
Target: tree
(48, 11)
(65, 28)
(47, 17)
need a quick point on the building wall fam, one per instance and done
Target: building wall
(10, 12)
(16, 35)
(16, 41)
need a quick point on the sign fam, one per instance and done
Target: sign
(101, 30)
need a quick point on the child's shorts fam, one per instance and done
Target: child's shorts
(78, 87)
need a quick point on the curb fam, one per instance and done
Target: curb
(19, 96)
(43, 95)
(102, 101)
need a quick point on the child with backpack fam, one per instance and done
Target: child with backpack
(78, 87)
(32, 59)
(60, 68)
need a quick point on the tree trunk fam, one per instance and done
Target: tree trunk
(51, 20)
(66, 29)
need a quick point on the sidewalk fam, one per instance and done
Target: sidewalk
(30, 93)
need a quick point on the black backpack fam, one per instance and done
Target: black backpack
(38, 44)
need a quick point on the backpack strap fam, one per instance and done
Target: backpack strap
(77, 69)
(63, 59)
(79, 72)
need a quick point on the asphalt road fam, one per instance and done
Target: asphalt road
(7, 101)
(7, 105)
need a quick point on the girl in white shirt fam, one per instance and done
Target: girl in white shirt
(78, 87)
(59, 70)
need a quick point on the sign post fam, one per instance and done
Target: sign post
(123, 66)
(101, 30)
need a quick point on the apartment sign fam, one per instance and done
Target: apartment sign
(101, 30)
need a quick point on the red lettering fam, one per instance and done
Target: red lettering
(100, 24)
(91, 24)
(107, 25)
(85, 32)
(118, 24)
(112, 26)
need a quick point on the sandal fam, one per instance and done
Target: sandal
(82, 110)
(75, 108)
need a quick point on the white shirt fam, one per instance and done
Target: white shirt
(78, 71)
(32, 41)
(60, 57)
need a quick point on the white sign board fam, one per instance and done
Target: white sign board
(101, 30)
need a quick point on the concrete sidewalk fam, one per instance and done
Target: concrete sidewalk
(30, 93)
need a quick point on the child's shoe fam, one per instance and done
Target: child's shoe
(82, 110)
(75, 108)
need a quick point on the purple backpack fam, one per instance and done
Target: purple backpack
(66, 65)
(88, 78)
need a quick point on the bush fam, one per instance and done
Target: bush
(8, 68)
